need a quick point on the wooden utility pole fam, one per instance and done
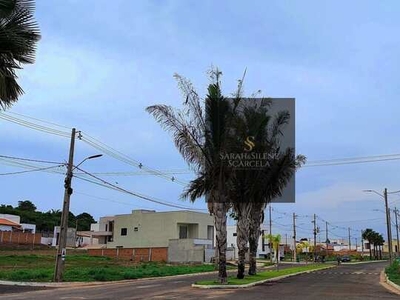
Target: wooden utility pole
(349, 240)
(388, 225)
(397, 231)
(62, 240)
(326, 237)
(362, 245)
(315, 237)
(270, 232)
(294, 238)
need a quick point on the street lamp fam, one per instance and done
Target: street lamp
(388, 224)
(62, 240)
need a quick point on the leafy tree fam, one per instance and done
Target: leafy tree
(19, 34)
(26, 206)
(84, 221)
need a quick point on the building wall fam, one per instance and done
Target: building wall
(71, 235)
(184, 251)
(28, 227)
(154, 229)
(5, 228)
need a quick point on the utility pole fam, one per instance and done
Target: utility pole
(397, 231)
(315, 237)
(388, 224)
(362, 245)
(349, 240)
(326, 237)
(294, 238)
(356, 244)
(270, 232)
(62, 240)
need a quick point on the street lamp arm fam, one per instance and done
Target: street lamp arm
(87, 158)
(373, 191)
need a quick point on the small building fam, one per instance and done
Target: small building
(263, 245)
(71, 237)
(7, 225)
(186, 236)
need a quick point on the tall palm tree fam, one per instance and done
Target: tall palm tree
(19, 34)
(253, 189)
(367, 235)
(200, 134)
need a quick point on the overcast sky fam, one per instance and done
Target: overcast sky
(99, 64)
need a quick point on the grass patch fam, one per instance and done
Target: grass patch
(393, 272)
(232, 280)
(81, 267)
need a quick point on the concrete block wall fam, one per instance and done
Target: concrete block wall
(135, 254)
(21, 238)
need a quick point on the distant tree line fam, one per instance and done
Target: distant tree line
(45, 221)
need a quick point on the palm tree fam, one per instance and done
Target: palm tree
(367, 235)
(253, 190)
(200, 136)
(275, 240)
(19, 34)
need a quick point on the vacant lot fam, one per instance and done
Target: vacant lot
(17, 266)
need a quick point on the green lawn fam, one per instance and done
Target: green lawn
(393, 272)
(87, 268)
(232, 280)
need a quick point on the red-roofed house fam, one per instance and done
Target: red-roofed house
(7, 225)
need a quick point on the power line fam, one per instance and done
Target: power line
(126, 159)
(30, 159)
(28, 171)
(89, 140)
(144, 197)
(36, 119)
(33, 125)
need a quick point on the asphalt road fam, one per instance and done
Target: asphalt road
(343, 282)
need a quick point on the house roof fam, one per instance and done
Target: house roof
(7, 222)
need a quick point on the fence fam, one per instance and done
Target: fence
(134, 254)
(20, 238)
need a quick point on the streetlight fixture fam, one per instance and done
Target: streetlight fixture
(62, 240)
(388, 224)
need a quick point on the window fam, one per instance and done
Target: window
(234, 234)
(135, 228)
(124, 231)
(183, 232)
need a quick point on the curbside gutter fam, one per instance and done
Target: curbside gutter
(257, 282)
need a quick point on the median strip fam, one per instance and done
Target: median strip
(260, 278)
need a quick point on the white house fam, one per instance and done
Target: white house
(263, 247)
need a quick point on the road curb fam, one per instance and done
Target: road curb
(393, 286)
(364, 262)
(71, 284)
(258, 282)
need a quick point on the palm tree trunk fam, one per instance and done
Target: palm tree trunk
(242, 230)
(370, 250)
(219, 211)
(254, 235)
